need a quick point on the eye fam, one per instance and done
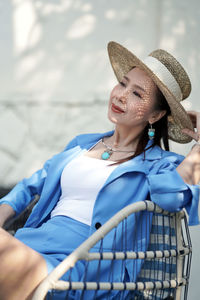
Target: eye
(137, 94)
(122, 83)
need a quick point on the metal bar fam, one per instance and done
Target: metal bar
(65, 285)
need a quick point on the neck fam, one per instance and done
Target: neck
(124, 138)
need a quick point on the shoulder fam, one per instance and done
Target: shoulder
(157, 154)
(166, 160)
(172, 156)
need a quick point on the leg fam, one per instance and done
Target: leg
(22, 268)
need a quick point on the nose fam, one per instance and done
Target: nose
(122, 100)
(122, 97)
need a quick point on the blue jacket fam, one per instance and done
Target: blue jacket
(153, 177)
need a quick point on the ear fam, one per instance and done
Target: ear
(156, 116)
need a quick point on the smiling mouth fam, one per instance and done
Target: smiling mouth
(116, 109)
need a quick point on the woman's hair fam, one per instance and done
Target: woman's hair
(161, 129)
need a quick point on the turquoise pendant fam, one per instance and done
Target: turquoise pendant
(106, 155)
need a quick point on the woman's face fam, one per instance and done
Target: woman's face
(132, 101)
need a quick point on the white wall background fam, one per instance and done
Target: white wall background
(55, 76)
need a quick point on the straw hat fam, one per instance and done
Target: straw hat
(168, 75)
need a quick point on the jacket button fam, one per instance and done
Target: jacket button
(97, 225)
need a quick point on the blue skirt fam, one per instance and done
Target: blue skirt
(55, 240)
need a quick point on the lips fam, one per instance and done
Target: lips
(116, 109)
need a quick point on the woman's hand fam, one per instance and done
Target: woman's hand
(195, 118)
(6, 212)
(189, 169)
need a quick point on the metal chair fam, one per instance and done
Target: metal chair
(164, 257)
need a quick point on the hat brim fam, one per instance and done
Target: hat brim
(122, 61)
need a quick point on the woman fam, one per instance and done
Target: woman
(120, 167)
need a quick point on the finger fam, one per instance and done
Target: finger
(195, 118)
(192, 112)
(191, 133)
(198, 122)
(194, 122)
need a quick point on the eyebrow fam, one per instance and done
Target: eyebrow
(135, 85)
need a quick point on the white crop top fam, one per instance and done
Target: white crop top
(81, 180)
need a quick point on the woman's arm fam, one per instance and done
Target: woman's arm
(189, 169)
(173, 182)
(6, 212)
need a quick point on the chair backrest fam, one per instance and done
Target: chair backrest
(138, 265)
(168, 232)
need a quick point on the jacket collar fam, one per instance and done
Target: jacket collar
(87, 141)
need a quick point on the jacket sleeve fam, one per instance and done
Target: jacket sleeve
(22, 194)
(170, 192)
